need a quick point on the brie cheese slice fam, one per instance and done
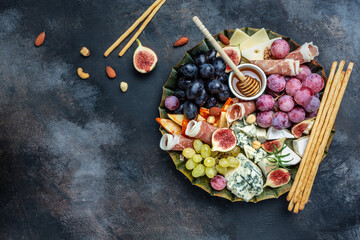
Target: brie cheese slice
(293, 157)
(299, 145)
(273, 133)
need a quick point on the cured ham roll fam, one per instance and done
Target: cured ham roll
(239, 110)
(305, 53)
(200, 130)
(171, 142)
(285, 67)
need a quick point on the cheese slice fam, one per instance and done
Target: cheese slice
(257, 52)
(273, 133)
(238, 37)
(261, 134)
(255, 39)
(293, 157)
(299, 145)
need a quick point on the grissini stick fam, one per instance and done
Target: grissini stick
(248, 86)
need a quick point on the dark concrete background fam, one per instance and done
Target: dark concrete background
(80, 159)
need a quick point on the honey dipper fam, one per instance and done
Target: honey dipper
(248, 86)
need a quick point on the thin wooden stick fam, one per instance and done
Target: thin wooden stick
(142, 27)
(130, 29)
(327, 136)
(303, 162)
(316, 133)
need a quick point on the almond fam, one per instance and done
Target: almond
(214, 111)
(40, 39)
(181, 41)
(224, 39)
(110, 72)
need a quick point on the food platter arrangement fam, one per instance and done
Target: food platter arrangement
(243, 114)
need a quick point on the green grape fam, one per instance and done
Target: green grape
(224, 163)
(209, 161)
(197, 158)
(221, 170)
(190, 164)
(214, 154)
(205, 151)
(188, 153)
(198, 171)
(235, 151)
(233, 162)
(197, 145)
(210, 172)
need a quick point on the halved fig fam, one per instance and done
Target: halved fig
(235, 55)
(144, 58)
(223, 140)
(277, 178)
(270, 146)
(298, 129)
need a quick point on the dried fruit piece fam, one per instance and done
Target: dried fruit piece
(270, 146)
(223, 39)
(82, 74)
(40, 39)
(277, 178)
(144, 58)
(123, 86)
(110, 72)
(298, 129)
(85, 51)
(223, 140)
(181, 42)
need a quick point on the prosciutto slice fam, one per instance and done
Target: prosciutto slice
(285, 67)
(305, 53)
(200, 130)
(239, 110)
(171, 142)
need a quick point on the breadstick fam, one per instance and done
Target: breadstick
(291, 205)
(316, 134)
(130, 29)
(142, 27)
(303, 162)
(328, 132)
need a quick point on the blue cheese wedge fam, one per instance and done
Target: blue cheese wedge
(259, 155)
(299, 145)
(249, 130)
(246, 180)
(273, 133)
(249, 152)
(261, 134)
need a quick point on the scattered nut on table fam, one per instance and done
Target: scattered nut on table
(256, 144)
(124, 86)
(211, 119)
(251, 119)
(85, 51)
(82, 74)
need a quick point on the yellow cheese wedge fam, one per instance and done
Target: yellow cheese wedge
(238, 37)
(177, 118)
(255, 39)
(257, 52)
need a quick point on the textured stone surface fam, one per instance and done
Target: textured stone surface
(80, 159)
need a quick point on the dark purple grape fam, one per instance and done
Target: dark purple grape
(211, 102)
(183, 83)
(180, 94)
(189, 70)
(210, 55)
(194, 89)
(179, 110)
(223, 95)
(224, 78)
(200, 59)
(206, 71)
(219, 66)
(190, 110)
(214, 86)
(201, 100)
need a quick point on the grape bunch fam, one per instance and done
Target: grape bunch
(202, 83)
(289, 100)
(202, 161)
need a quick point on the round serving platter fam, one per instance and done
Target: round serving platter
(170, 86)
